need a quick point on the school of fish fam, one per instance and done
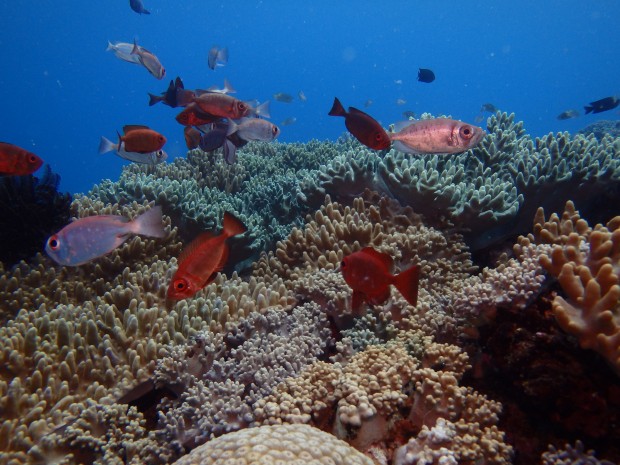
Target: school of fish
(213, 119)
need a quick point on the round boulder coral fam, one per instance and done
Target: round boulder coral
(281, 444)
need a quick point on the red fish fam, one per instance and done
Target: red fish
(363, 126)
(368, 273)
(193, 116)
(192, 137)
(222, 105)
(202, 259)
(439, 135)
(141, 139)
(15, 161)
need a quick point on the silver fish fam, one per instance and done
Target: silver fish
(254, 129)
(440, 135)
(122, 50)
(150, 158)
(217, 57)
(227, 89)
(149, 61)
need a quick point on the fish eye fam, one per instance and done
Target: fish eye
(180, 285)
(242, 106)
(160, 154)
(378, 136)
(274, 129)
(32, 158)
(343, 264)
(466, 132)
(53, 243)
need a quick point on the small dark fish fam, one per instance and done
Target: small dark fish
(488, 107)
(288, 121)
(409, 114)
(426, 75)
(568, 114)
(138, 7)
(283, 97)
(15, 161)
(363, 126)
(604, 104)
(175, 96)
(217, 57)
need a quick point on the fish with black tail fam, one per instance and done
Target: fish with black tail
(426, 75)
(604, 104)
(364, 127)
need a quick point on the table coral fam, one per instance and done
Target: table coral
(281, 444)
(586, 262)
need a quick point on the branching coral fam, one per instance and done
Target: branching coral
(586, 262)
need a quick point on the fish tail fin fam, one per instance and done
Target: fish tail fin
(233, 225)
(135, 50)
(263, 110)
(149, 223)
(588, 109)
(106, 145)
(222, 56)
(337, 109)
(110, 46)
(228, 88)
(232, 127)
(407, 283)
(230, 152)
(153, 99)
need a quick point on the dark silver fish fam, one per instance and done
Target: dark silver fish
(138, 7)
(254, 129)
(568, 114)
(283, 97)
(122, 51)
(604, 104)
(217, 56)
(149, 61)
(488, 107)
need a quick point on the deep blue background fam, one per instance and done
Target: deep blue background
(60, 90)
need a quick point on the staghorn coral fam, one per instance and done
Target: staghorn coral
(218, 377)
(385, 394)
(281, 444)
(586, 262)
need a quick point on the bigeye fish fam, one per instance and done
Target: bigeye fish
(15, 161)
(139, 138)
(440, 135)
(94, 236)
(202, 259)
(364, 127)
(253, 129)
(149, 61)
(122, 51)
(149, 158)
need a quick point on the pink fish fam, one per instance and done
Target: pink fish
(440, 135)
(91, 237)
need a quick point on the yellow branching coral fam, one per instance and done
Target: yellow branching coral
(586, 262)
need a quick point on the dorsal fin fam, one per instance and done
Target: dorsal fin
(194, 245)
(384, 258)
(132, 127)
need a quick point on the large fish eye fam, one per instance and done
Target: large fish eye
(53, 243)
(466, 132)
(343, 264)
(242, 106)
(180, 285)
(160, 154)
(32, 158)
(274, 130)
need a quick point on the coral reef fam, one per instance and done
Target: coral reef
(586, 262)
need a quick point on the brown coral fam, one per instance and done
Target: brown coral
(586, 262)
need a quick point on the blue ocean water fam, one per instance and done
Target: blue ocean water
(61, 91)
